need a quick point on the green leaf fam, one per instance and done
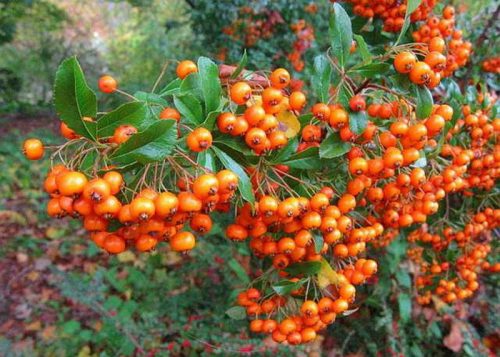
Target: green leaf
(236, 313)
(239, 271)
(340, 33)
(241, 65)
(305, 160)
(421, 162)
(209, 83)
(333, 146)
(318, 242)
(189, 107)
(285, 287)
(150, 145)
(320, 80)
(403, 278)
(88, 161)
(133, 113)
(171, 88)
(424, 101)
(150, 98)
(211, 119)
(410, 7)
(74, 99)
(372, 69)
(404, 304)
(70, 327)
(244, 186)
(285, 153)
(234, 143)
(304, 268)
(206, 159)
(363, 49)
(358, 122)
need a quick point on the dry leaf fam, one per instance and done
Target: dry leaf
(454, 340)
(48, 333)
(34, 326)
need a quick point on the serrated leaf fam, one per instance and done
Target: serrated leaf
(421, 162)
(304, 268)
(244, 186)
(305, 160)
(241, 65)
(150, 145)
(239, 271)
(190, 108)
(206, 159)
(286, 287)
(74, 99)
(150, 98)
(358, 122)
(236, 313)
(411, 6)
(333, 147)
(209, 83)
(285, 153)
(340, 33)
(372, 69)
(133, 113)
(403, 278)
(171, 88)
(366, 56)
(424, 101)
(211, 119)
(318, 242)
(320, 79)
(404, 304)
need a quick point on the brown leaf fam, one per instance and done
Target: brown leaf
(34, 326)
(48, 333)
(454, 340)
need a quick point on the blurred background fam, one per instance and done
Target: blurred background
(60, 296)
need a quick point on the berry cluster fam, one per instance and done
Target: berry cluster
(259, 124)
(456, 279)
(149, 217)
(443, 40)
(392, 12)
(491, 65)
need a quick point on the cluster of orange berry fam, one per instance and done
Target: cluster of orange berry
(304, 34)
(391, 12)
(297, 229)
(149, 218)
(259, 124)
(457, 279)
(271, 315)
(443, 39)
(491, 65)
(298, 222)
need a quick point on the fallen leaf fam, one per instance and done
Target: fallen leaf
(41, 263)
(34, 326)
(22, 258)
(48, 333)
(22, 311)
(455, 339)
(33, 275)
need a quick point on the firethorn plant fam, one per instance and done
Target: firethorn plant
(315, 179)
